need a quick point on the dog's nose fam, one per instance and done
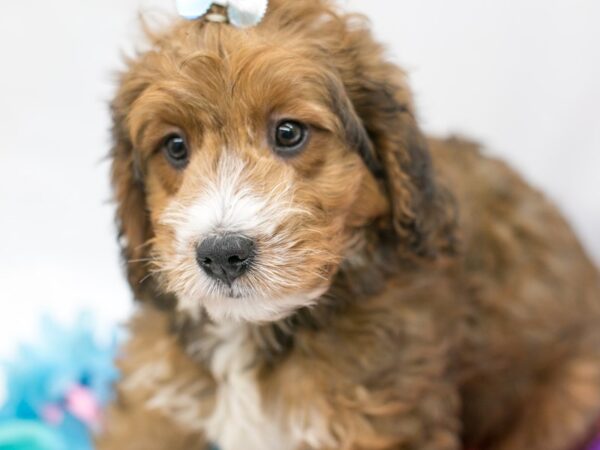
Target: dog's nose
(225, 258)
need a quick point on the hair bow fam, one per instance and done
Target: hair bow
(242, 13)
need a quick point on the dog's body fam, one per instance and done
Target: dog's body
(452, 304)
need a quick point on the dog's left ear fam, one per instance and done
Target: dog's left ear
(393, 147)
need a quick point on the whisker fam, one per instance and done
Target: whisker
(145, 278)
(133, 261)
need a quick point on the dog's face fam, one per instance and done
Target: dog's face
(244, 170)
(253, 184)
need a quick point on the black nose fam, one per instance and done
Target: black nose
(225, 258)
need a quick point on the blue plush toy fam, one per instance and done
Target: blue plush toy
(55, 390)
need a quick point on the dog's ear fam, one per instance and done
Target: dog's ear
(355, 133)
(132, 215)
(423, 213)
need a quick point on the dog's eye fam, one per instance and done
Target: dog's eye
(176, 151)
(290, 137)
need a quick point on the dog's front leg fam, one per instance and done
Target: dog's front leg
(382, 390)
(429, 422)
(162, 394)
(370, 421)
(143, 429)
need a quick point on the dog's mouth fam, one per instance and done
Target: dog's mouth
(230, 291)
(232, 294)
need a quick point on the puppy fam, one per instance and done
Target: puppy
(314, 273)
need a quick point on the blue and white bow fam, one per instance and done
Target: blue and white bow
(242, 13)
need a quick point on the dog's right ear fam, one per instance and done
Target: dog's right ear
(132, 215)
(422, 215)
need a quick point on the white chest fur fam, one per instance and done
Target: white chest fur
(239, 420)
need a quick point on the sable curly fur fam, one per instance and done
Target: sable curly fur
(411, 293)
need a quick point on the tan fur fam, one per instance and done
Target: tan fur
(434, 303)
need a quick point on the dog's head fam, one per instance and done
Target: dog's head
(246, 162)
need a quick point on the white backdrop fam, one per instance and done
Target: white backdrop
(522, 76)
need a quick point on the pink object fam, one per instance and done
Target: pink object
(82, 404)
(595, 445)
(53, 415)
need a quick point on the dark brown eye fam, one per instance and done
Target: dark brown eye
(176, 151)
(290, 137)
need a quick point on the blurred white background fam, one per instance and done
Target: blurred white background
(521, 76)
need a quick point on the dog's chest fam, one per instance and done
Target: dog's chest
(239, 419)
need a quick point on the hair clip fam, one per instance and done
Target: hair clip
(240, 13)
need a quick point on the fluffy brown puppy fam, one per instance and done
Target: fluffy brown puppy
(313, 273)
